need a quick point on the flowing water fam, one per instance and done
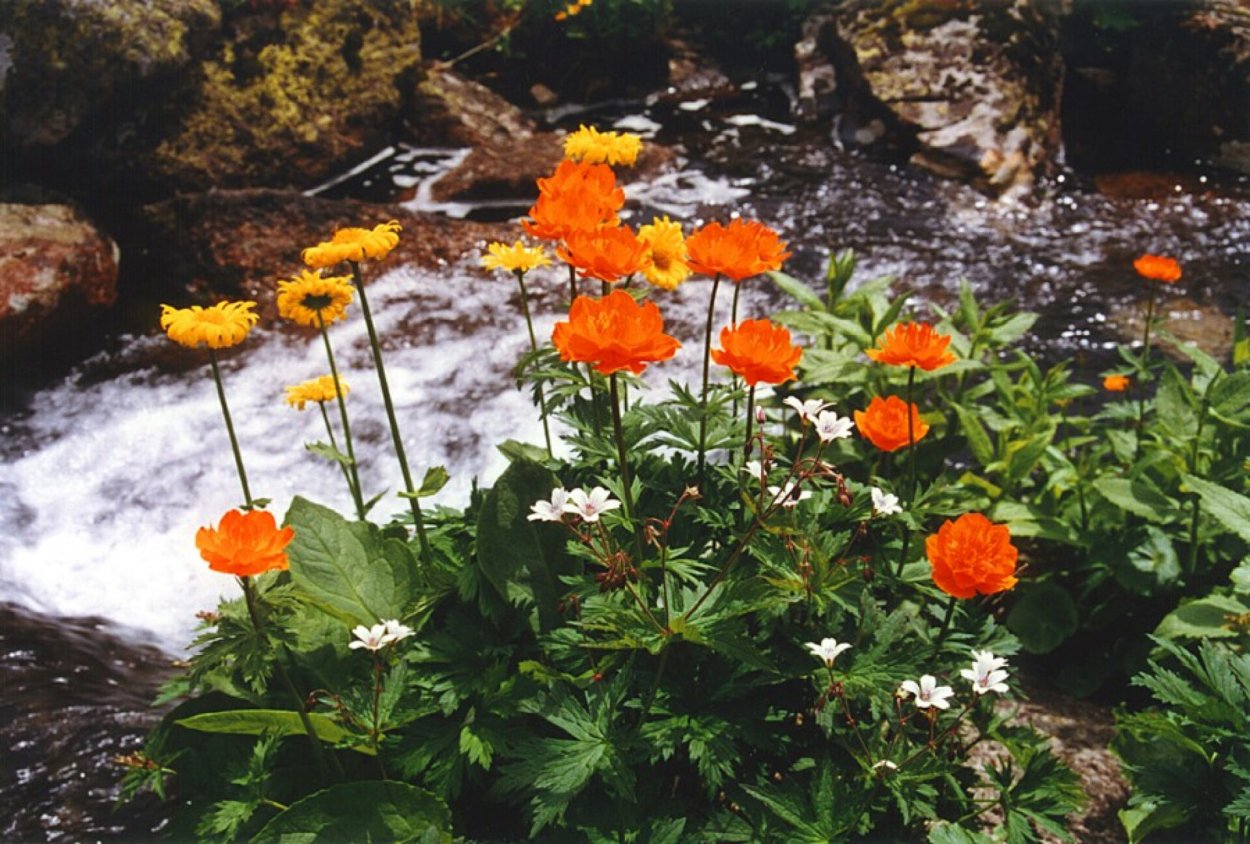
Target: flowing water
(108, 471)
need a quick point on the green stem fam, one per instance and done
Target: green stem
(707, 357)
(746, 442)
(1195, 501)
(427, 553)
(572, 285)
(1145, 368)
(733, 321)
(234, 441)
(354, 481)
(911, 436)
(655, 683)
(529, 323)
(946, 625)
(325, 417)
(626, 482)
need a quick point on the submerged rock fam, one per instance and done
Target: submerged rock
(968, 90)
(56, 270)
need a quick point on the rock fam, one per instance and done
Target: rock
(68, 66)
(241, 242)
(451, 110)
(56, 269)
(289, 99)
(968, 90)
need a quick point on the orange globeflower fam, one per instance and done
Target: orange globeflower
(575, 197)
(740, 250)
(1116, 383)
(884, 423)
(245, 543)
(913, 344)
(353, 245)
(607, 253)
(614, 333)
(758, 350)
(972, 555)
(1158, 268)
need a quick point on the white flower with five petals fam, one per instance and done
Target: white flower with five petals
(550, 511)
(927, 692)
(371, 638)
(830, 426)
(884, 503)
(756, 470)
(788, 496)
(396, 631)
(827, 650)
(590, 505)
(986, 673)
(807, 410)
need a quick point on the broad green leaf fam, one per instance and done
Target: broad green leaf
(1230, 509)
(255, 722)
(436, 478)
(1173, 406)
(951, 833)
(1229, 396)
(349, 568)
(1205, 618)
(978, 440)
(329, 452)
(1022, 455)
(516, 450)
(1137, 498)
(1044, 616)
(1149, 817)
(1012, 328)
(374, 810)
(798, 290)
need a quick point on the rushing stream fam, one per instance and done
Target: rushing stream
(107, 473)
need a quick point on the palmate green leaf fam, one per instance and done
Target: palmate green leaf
(375, 810)
(790, 806)
(348, 568)
(1043, 617)
(951, 833)
(255, 722)
(1230, 509)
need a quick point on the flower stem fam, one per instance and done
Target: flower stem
(733, 321)
(707, 357)
(427, 554)
(946, 625)
(529, 323)
(354, 481)
(626, 483)
(1145, 368)
(1195, 500)
(234, 441)
(911, 436)
(746, 442)
(325, 417)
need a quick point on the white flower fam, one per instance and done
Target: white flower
(785, 495)
(886, 764)
(553, 510)
(830, 426)
(373, 638)
(756, 470)
(928, 692)
(807, 410)
(589, 505)
(884, 503)
(395, 631)
(986, 673)
(827, 650)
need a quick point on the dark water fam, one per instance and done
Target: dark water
(74, 693)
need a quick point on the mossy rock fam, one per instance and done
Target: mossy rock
(295, 93)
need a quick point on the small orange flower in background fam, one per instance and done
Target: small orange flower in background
(608, 253)
(740, 250)
(245, 543)
(913, 344)
(354, 245)
(666, 265)
(573, 9)
(1158, 268)
(971, 556)
(884, 423)
(575, 197)
(218, 326)
(758, 350)
(614, 333)
(590, 145)
(1116, 383)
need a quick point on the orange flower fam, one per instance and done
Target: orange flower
(245, 543)
(739, 250)
(758, 350)
(576, 197)
(1158, 268)
(1116, 383)
(609, 253)
(913, 344)
(614, 333)
(884, 423)
(972, 555)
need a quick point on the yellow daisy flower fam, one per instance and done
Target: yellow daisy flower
(666, 265)
(590, 146)
(219, 326)
(317, 389)
(302, 297)
(517, 258)
(354, 245)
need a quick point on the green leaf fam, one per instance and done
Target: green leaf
(361, 811)
(1229, 396)
(950, 833)
(1137, 498)
(1148, 817)
(1204, 618)
(1229, 508)
(348, 568)
(329, 452)
(978, 440)
(255, 722)
(798, 290)
(1043, 617)
(436, 478)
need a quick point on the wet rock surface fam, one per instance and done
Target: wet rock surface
(56, 270)
(73, 696)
